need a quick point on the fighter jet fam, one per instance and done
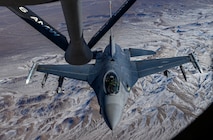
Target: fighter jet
(113, 74)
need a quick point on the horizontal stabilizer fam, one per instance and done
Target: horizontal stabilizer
(23, 2)
(140, 52)
(97, 54)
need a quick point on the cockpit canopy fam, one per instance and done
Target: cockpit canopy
(112, 83)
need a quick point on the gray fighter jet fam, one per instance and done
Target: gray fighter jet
(113, 74)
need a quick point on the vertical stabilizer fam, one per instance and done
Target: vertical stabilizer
(111, 38)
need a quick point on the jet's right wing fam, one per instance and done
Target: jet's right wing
(81, 72)
(147, 67)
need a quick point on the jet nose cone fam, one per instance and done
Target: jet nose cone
(113, 114)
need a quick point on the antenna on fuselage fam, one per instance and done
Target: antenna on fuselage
(111, 38)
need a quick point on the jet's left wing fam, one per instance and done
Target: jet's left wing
(147, 67)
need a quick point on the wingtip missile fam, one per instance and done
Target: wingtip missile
(27, 81)
(31, 72)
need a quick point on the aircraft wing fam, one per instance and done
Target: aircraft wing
(70, 71)
(147, 67)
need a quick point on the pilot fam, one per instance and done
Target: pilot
(112, 84)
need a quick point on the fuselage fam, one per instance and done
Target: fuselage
(112, 84)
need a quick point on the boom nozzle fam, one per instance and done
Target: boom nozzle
(78, 53)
